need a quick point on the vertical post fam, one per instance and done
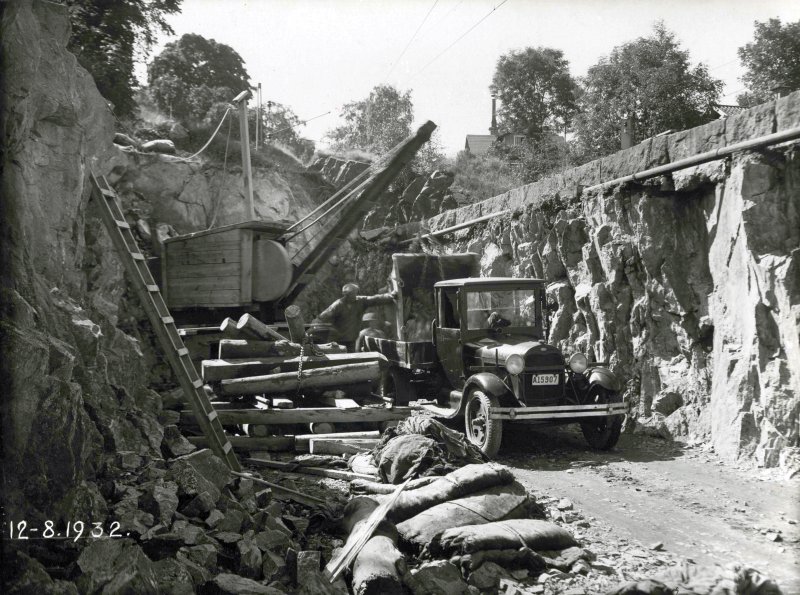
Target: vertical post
(258, 116)
(245, 142)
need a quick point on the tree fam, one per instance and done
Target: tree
(650, 80)
(535, 89)
(109, 37)
(377, 123)
(772, 60)
(193, 74)
(280, 124)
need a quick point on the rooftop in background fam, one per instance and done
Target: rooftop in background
(729, 110)
(478, 144)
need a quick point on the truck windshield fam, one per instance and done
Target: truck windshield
(501, 308)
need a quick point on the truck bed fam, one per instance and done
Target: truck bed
(406, 354)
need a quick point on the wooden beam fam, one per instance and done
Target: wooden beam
(253, 327)
(306, 415)
(301, 442)
(282, 493)
(326, 446)
(215, 370)
(320, 471)
(333, 377)
(271, 443)
(240, 348)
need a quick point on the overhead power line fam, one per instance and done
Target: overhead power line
(463, 35)
(408, 45)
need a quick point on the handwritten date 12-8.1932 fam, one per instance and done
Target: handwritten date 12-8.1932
(71, 530)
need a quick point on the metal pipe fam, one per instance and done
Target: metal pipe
(722, 152)
(458, 226)
(754, 143)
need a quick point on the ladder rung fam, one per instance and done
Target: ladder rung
(167, 320)
(227, 447)
(152, 288)
(212, 415)
(122, 224)
(197, 383)
(108, 193)
(183, 351)
(137, 255)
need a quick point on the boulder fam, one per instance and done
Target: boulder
(233, 584)
(200, 472)
(487, 576)
(439, 577)
(175, 444)
(173, 577)
(161, 499)
(250, 561)
(273, 565)
(116, 566)
(159, 146)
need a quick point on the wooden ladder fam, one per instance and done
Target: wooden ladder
(163, 324)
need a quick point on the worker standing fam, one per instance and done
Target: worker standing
(345, 313)
(373, 329)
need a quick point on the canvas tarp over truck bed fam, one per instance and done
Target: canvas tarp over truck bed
(415, 276)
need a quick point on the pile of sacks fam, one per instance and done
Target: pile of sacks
(448, 533)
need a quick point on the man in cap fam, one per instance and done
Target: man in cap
(345, 313)
(373, 330)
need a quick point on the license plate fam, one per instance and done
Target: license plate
(544, 379)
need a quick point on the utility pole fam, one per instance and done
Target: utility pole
(241, 99)
(258, 116)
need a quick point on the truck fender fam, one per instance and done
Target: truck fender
(491, 385)
(604, 377)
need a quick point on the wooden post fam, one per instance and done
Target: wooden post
(252, 326)
(297, 327)
(245, 142)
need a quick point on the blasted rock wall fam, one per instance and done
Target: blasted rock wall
(76, 406)
(689, 286)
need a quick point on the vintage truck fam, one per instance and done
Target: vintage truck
(477, 347)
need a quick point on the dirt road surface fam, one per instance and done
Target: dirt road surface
(649, 503)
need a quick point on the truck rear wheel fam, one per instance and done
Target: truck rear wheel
(483, 432)
(604, 433)
(396, 385)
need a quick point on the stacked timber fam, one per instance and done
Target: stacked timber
(276, 390)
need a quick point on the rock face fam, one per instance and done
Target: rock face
(78, 355)
(690, 286)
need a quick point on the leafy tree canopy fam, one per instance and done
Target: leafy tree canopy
(280, 124)
(772, 59)
(377, 123)
(535, 90)
(193, 74)
(110, 36)
(650, 79)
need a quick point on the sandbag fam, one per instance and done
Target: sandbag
(364, 486)
(379, 566)
(531, 533)
(404, 456)
(456, 448)
(498, 503)
(459, 483)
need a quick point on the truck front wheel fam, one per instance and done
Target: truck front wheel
(483, 432)
(396, 384)
(604, 433)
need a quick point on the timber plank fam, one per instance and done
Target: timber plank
(307, 415)
(270, 443)
(214, 370)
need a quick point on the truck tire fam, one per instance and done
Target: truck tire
(483, 432)
(604, 433)
(396, 385)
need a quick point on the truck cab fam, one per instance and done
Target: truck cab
(486, 358)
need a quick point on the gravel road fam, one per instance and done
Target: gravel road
(650, 503)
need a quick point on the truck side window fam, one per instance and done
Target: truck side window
(450, 318)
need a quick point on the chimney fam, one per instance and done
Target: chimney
(493, 127)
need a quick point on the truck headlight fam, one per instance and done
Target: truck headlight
(515, 364)
(578, 362)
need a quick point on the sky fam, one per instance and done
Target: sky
(316, 55)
